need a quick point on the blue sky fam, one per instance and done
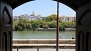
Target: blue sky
(43, 7)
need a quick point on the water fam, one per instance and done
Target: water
(42, 34)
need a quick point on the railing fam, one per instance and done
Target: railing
(18, 48)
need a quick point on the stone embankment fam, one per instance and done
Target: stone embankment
(63, 43)
(53, 29)
(70, 29)
(46, 29)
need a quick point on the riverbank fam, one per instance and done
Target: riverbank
(43, 41)
(70, 29)
(63, 43)
(54, 29)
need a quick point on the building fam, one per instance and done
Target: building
(67, 19)
(39, 17)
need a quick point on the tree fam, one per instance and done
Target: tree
(53, 24)
(28, 26)
(62, 26)
(43, 24)
(22, 24)
(35, 25)
(47, 19)
(50, 18)
(53, 17)
(15, 25)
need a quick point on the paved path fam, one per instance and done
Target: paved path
(43, 49)
(43, 45)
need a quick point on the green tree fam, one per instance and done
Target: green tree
(28, 26)
(43, 24)
(53, 24)
(22, 24)
(62, 26)
(35, 25)
(50, 18)
(47, 19)
(53, 17)
(15, 26)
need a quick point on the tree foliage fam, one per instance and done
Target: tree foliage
(35, 25)
(47, 22)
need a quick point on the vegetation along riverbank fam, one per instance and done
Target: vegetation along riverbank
(46, 23)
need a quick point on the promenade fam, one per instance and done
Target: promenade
(43, 49)
(63, 43)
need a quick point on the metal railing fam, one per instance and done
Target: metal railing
(18, 48)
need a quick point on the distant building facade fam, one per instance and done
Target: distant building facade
(28, 17)
(36, 17)
(67, 19)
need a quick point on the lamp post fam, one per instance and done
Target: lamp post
(57, 35)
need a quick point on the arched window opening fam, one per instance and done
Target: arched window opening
(32, 22)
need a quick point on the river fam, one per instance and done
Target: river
(42, 34)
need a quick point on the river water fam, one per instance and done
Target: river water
(42, 34)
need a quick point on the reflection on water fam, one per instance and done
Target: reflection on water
(42, 34)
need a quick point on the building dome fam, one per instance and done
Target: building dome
(39, 15)
(33, 14)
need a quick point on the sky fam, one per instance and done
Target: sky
(44, 8)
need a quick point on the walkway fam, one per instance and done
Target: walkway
(43, 49)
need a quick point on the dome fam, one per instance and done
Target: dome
(33, 14)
